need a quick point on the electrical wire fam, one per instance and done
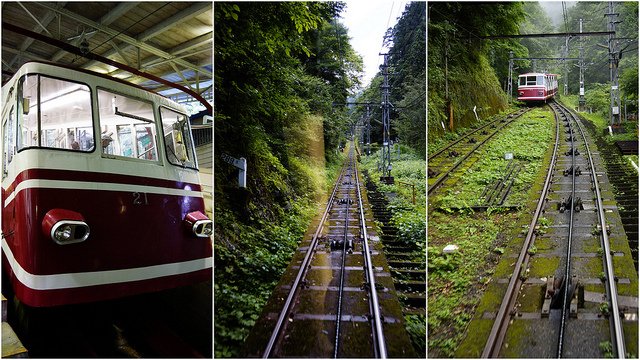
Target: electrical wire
(135, 23)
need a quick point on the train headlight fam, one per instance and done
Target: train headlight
(199, 224)
(62, 233)
(65, 226)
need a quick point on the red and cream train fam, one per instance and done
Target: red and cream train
(537, 87)
(100, 189)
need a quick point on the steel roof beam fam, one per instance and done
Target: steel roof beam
(106, 20)
(77, 51)
(171, 22)
(28, 41)
(165, 25)
(189, 45)
(122, 37)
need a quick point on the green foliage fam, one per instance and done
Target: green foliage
(417, 329)
(527, 138)
(274, 108)
(607, 349)
(407, 217)
(596, 56)
(407, 82)
(450, 276)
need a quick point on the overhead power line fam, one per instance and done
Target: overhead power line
(516, 36)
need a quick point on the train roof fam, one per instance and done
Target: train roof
(537, 73)
(38, 64)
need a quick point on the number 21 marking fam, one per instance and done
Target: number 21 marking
(140, 199)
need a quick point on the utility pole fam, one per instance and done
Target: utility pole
(509, 83)
(614, 111)
(368, 125)
(581, 100)
(564, 62)
(386, 136)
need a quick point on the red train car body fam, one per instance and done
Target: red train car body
(537, 87)
(101, 195)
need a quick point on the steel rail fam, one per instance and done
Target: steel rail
(336, 347)
(376, 318)
(464, 136)
(301, 272)
(439, 181)
(499, 328)
(567, 274)
(616, 324)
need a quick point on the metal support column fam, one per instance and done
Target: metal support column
(509, 83)
(581, 99)
(614, 110)
(386, 126)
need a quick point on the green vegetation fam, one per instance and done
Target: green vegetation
(472, 66)
(407, 217)
(455, 279)
(527, 140)
(407, 82)
(278, 68)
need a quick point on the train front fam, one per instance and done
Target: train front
(100, 190)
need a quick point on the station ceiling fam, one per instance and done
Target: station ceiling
(171, 40)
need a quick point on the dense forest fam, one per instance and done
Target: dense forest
(279, 67)
(406, 41)
(467, 71)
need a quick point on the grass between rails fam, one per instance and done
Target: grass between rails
(526, 139)
(630, 128)
(408, 218)
(458, 281)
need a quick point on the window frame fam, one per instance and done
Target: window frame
(193, 147)
(20, 114)
(132, 127)
(6, 147)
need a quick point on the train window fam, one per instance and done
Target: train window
(522, 80)
(177, 138)
(28, 123)
(8, 135)
(55, 114)
(540, 80)
(127, 126)
(65, 107)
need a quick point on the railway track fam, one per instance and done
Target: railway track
(564, 284)
(625, 181)
(445, 162)
(406, 261)
(337, 298)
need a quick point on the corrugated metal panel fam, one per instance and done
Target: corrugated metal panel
(138, 19)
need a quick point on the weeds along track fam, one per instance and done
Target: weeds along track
(562, 298)
(443, 164)
(406, 261)
(625, 181)
(336, 298)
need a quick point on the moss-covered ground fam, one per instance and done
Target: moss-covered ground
(459, 284)
(409, 218)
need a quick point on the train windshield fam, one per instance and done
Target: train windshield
(127, 126)
(177, 138)
(531, 80)
(55, 114)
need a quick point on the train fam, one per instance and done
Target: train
(101, 196)
(536, 87)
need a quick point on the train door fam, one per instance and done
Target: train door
(8, 151)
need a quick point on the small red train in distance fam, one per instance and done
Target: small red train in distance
(537, 86)
(101, 195)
